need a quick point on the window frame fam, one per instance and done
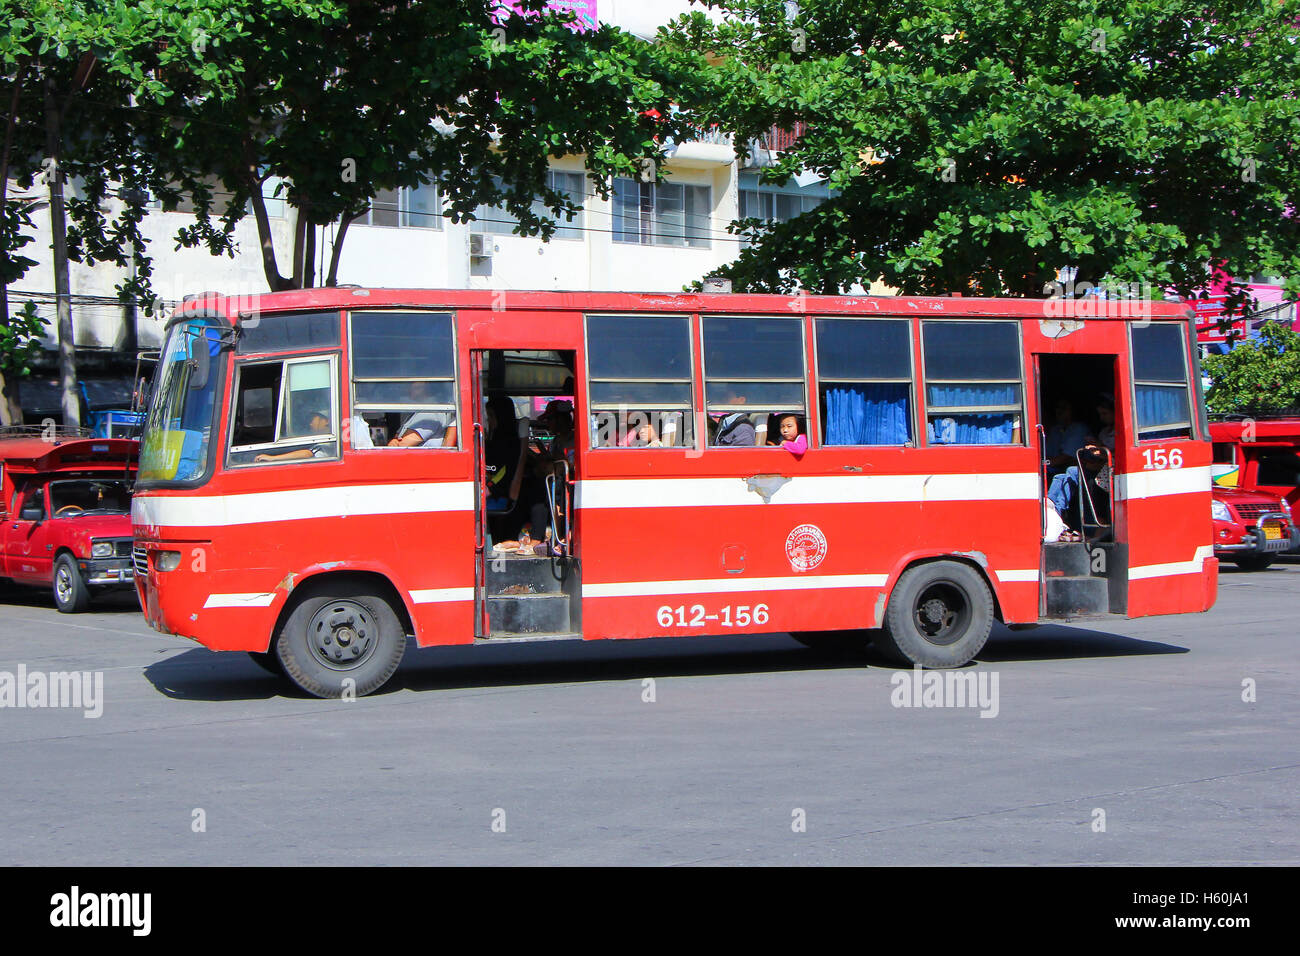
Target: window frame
(750, 408)
(594, 408)
(403, 211)
(654, 237)
(1191, 403)
(355, 409)
(911, 327)
(1018, 411)
(284, 361)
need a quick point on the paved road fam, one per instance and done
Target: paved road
(1143, 720)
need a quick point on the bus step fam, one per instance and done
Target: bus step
(528, 613)
(1070, 559)
(511, 575)
(1074, 595)
(504, 638)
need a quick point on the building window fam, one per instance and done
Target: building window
(776, 206)
(662, 214)
(416, 207)
(973, 383)
(498, 220)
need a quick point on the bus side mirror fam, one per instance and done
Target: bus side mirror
(202, 363)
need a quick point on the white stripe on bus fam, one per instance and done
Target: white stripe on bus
(804, 490)
(203, 511)
(1155, 484)
(1194, 566)
(438, 595)
(738, 584)
(261, 599)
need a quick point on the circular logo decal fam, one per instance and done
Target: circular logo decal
(805, 547)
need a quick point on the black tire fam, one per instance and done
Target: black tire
(71, 595)
(1252, 562)
(348, 635)
(832, 643)
(267, 661)
(939, 615)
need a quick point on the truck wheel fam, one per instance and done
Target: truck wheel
(71, 596)
(343, 643)
(939, 615)
(1252, 562)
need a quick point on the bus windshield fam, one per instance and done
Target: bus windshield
(178, 428)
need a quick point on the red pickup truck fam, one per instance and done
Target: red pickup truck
(1256, 489)
(65, 514)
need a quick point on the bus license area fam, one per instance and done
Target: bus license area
(697, 615)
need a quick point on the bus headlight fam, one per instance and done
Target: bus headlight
(166, 560)
(101, 549)
(1220, 511)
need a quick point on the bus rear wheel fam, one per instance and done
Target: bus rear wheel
(939, 615)
(341, 644)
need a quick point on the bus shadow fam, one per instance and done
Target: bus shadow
(1059, 642)
(201, 675)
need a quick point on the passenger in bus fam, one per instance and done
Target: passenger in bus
(1106, 416)
(1067, 490)
(734, 428)
(791, 434)
(1064, 437)
(319, 424)
(642, 433)
(425, 429)
(504, 454)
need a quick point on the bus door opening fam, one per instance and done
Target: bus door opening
(1084, 563)
(528, 574)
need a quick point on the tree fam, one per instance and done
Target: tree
(340, 103)
(1258, 376)
(93, 68)
(980, 145)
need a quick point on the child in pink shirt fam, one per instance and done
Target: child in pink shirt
(793, 439)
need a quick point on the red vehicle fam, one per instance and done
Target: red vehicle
(1257, 486)
(325, 472)
(65, 514)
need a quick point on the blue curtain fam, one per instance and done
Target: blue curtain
(990, 428)
(1161, 405)
(948, 396)
(868, 414)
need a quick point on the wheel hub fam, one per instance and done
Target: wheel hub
(941, 613)
(342, 634)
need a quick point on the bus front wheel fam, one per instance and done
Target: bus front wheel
(341, 644)
(939, 615)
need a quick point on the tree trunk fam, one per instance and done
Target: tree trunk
(59, 249)
(11, 406)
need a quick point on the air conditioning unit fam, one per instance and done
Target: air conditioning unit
(480, 246)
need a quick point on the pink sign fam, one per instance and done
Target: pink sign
(585, 10)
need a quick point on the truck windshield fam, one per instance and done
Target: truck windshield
(73, 497)
(178, 428)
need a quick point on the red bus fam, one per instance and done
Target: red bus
(324, 473)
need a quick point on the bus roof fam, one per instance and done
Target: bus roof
(586, 301)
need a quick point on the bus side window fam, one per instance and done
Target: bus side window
(284, 411)
(403, 381)
(973, 383)
(1160, 381)
(640, 381)
(753, 367)
(864, 371)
